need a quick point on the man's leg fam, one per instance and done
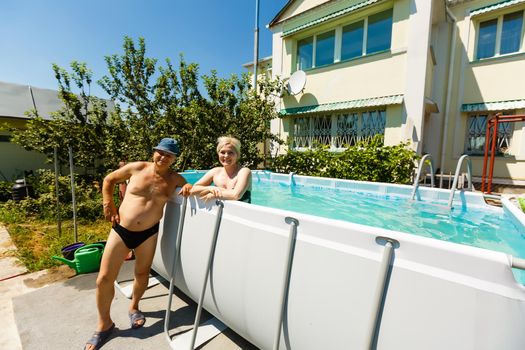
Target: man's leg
(143, 259)
(114, 254)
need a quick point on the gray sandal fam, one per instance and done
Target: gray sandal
(136, 316)
(99, 337)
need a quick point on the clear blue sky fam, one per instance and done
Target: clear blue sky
(216, 34)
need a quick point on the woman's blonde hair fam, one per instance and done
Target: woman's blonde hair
(228, 140)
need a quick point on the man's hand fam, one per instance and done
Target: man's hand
(111, 212)
(185, 190)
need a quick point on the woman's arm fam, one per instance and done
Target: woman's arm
(203, 185)
(244, 180)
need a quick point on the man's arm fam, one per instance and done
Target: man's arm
(180, 181)
(108, 187)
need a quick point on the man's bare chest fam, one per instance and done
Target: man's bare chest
(147, 185)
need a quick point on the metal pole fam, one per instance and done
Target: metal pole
(380, 291)
(286, 278)
(182, 216)
(207, 273)
(59, 221)
(256, 45)
(73, 198)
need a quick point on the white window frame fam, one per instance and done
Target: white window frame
(499, 28)
(339, 41)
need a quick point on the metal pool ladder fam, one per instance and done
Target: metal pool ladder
(420, 168)
(456, 176)
(212, 327)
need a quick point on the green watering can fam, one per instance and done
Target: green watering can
(87, 258)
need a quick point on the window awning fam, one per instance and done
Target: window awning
(336, 106)
(497, 6)
(493, 106)
(329, 17)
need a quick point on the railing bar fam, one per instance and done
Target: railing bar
(286, 278)
(420, 168)
(518, 263)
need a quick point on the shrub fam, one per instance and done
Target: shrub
(44, 207)
(370, 161)
(5, 190)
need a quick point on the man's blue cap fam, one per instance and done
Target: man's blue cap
(168, 145)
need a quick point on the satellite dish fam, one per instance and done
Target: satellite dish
(296, 82)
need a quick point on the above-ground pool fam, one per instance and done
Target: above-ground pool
(436, 293)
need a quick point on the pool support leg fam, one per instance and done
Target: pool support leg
(388, 253)
(286, 278)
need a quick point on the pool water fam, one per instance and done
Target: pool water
(483, 227)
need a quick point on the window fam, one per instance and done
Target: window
(324, 49)
(305, 53)
(511, 32)
(500, 35)
(352, 40)
(366, 36)
(477, 128)
(379, 32)
(338, 130)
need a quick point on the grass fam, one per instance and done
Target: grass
(37, 241)
(521, 201)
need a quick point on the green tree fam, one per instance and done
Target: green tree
(160, 101)
(81, 123)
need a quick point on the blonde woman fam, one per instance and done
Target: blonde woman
(231, 181)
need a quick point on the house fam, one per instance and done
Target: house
(425, 71)
(15, 101)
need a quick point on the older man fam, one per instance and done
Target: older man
(135, 226)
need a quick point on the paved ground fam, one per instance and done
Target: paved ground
(56, 310)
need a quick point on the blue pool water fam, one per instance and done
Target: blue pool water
(483, 227)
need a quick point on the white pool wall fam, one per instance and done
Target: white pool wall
(441, 295)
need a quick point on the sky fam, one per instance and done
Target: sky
(216, 34)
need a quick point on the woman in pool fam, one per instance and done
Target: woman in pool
(231, 181)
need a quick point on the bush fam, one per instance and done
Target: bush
(5, 190)
(370, 161)
(44, 207)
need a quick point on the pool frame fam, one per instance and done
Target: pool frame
(436, 295)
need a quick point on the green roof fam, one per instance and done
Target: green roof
(336, 106)
(330, 16)
(496, 6)
(493, 106)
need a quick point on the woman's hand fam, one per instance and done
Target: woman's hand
(211, 192)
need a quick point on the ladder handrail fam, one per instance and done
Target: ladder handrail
(173, 266)
(456, 176)
(420, 168)
(211, 255)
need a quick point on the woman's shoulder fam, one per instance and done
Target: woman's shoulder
(245, 170)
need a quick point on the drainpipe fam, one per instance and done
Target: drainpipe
(449, 91)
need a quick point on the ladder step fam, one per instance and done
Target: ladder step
(127, 291)
(206, 331)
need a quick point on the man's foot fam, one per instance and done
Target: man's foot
(137, 319)
(98, 338)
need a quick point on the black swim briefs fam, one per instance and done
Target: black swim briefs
(132, 239)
